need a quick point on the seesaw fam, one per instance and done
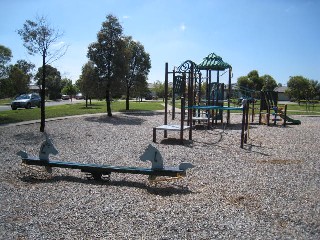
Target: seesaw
(98, 171)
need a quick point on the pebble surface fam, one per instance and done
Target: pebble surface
(268, 190)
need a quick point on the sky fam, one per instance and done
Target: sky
(276, 37)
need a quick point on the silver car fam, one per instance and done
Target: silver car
(26, 101)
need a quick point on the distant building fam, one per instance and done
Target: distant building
(34, 88)
(282, 96)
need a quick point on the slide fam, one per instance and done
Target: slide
(291, 120)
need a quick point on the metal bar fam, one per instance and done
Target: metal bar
(166, 99)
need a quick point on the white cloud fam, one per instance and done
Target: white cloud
(126, 17)
(58, 44)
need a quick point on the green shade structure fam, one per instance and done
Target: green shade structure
(213, 62)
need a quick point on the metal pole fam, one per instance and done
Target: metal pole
(173, 96)
(166, 99)
(229, 95)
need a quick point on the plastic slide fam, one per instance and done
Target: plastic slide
(291, 120)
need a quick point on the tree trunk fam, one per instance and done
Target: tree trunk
(127, 99)
(43, 94)
(108, 101)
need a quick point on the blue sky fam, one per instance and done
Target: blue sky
(276, 37)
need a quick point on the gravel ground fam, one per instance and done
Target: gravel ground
(268, 190)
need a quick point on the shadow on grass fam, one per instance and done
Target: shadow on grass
(91, 107)
(7, 120)
(157, 189)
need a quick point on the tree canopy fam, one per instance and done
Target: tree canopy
(257, 83)
(17, 79)
(300, 88)
(88, 82)
(138, 65)
(5, 57)
(53, 79)
(38, 38)
(268, 83)
(67, 87)
(107, 56)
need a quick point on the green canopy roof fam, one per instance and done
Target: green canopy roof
(213, 62)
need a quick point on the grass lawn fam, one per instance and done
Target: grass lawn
(12, 116)
(5, 101)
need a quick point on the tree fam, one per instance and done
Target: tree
(269, 84)
(107, 56)
(316, 88)
(53, 81)
(257, 82)
(5, 57)
(158, 89)
(138, 66)
(26, 67)
(299, 88)
(19, 81)
(252, 82)
(38, 37)
(68, 87)
(89, 81)
(5, 85)
(141, 89)
(244, 85)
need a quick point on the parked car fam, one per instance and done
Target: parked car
(79, 96)
(65, 97)
(249, 99)
(26, 101)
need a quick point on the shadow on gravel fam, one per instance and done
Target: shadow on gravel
(157, 189)
(176, 141)
(116, 120)
(141, 113)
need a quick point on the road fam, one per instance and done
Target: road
(51, 103)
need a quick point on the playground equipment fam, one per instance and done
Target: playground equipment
(188, 76)
(269, 107)
(98, 171)
(179, 86)
(201, 75)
